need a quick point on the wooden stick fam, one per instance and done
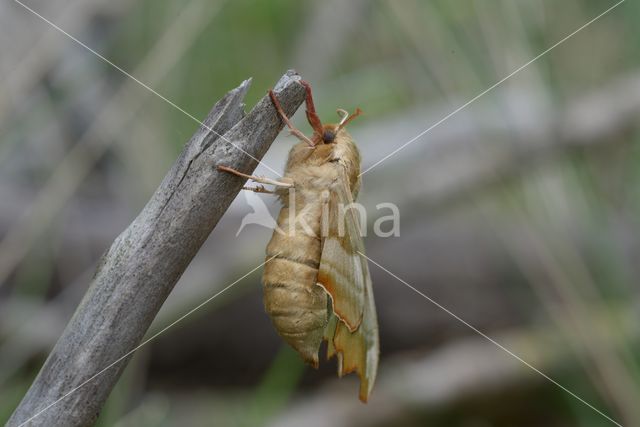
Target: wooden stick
(138, 272)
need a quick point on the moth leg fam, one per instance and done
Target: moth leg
(259, 189)
(295, 131)
(260, 179)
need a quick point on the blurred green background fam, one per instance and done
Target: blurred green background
(519, 213)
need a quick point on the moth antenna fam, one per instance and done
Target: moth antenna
(312, 116)
(347, 118)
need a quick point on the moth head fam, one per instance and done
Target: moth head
(324, 134)
(329, 132)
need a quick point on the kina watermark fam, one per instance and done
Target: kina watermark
(322, 216)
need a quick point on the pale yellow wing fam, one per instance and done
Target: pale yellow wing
(340, 272)
(352, 331)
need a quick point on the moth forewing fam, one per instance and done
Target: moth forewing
(340, 272)
(345, 276)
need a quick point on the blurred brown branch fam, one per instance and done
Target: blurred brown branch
(139, 271)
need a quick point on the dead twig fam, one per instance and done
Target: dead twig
(139, 271)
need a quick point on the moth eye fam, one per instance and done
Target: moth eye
(328, 136)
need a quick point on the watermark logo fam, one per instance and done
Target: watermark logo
(259, 216)
(307, 218)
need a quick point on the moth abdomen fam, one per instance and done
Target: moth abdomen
(297, 306)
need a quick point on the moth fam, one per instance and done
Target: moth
(317, 286)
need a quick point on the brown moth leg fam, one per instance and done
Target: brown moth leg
(312, 116)
(295, 131)
(259, 189)
(260, 179)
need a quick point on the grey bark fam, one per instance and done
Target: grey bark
(144, 263)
